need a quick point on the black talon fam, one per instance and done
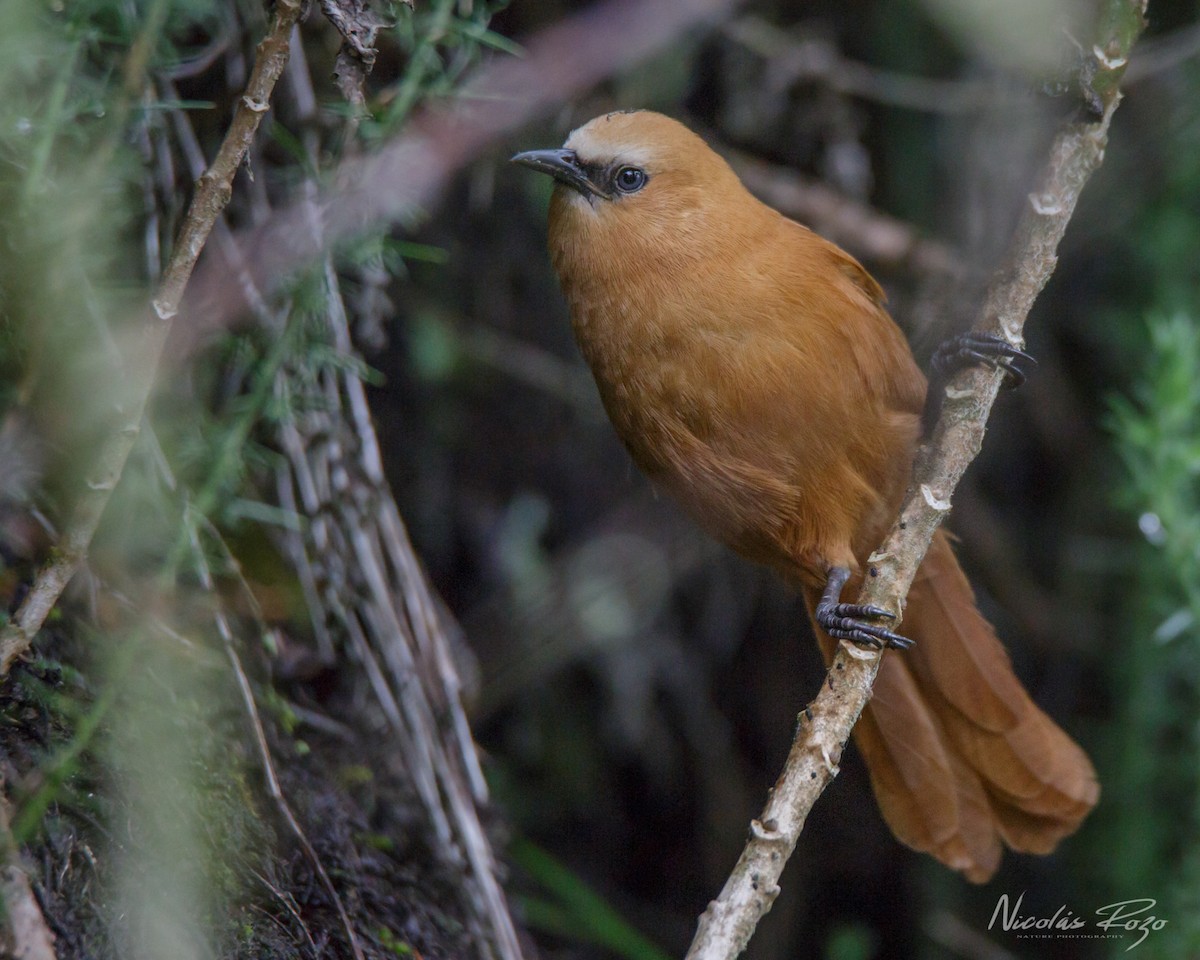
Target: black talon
(855, 610)
(967, 349)
(844, 621)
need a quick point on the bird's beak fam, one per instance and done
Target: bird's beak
(563, 166)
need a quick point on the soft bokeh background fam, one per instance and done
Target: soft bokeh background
(634, 686)
(638, 683)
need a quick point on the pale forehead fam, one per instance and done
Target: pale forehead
(638, 138)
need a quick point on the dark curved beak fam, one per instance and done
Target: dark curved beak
(563, 166)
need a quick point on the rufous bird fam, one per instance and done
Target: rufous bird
(751, 369)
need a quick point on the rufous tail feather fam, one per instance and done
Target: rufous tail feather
(962, 761)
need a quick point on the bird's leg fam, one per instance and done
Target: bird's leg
(844, 621)
(965, 350)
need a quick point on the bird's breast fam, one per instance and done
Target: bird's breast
(641, 368)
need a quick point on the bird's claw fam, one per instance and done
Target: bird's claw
(845, 621)
(967, 349)
(856, 610)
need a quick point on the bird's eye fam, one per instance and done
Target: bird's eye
(629, 179)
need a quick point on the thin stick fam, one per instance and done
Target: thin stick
(276, 792)
(824, 727)
(23, 929)
(213, 190)
(869, 233)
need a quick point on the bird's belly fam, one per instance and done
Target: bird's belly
(753, 503)
(758, 450)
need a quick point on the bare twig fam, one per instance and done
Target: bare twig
(276, 792)
(358, 23)
(869, 233)
(815, 59)
(427, 716)
(212, 194)
(360, 574)
(23, 929)
(825, 725)
(289, 904)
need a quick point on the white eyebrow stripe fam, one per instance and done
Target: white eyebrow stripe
(592, 149)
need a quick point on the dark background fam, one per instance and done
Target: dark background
(639, 684)
(632, 685)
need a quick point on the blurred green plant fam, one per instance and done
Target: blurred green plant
(1159, 444)
(440, 42)
(574, 911)
(851, 942)
(1156, 801)
(1151, 847)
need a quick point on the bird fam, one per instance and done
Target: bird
(752, 370)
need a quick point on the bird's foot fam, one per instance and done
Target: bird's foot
(844, 621)
(849, 621)
(967, 349)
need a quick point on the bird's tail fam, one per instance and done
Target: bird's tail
(961, 759)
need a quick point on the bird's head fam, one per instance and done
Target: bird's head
(636, 182)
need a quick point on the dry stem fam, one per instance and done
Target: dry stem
(868, 232)
(23, 929)
(212, 194)
(824, 727)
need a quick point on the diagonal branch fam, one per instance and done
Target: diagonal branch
(24, 932)
(825, 725)
(212, 194)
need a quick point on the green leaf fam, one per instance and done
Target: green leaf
(576, 911)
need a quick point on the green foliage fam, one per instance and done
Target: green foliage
(572, 910)
(78, 199)
(439, 42)
(58, 770)
(1159, 678)
(851, 943)
(392, 943)
(1152, 807)
(1160, 447)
